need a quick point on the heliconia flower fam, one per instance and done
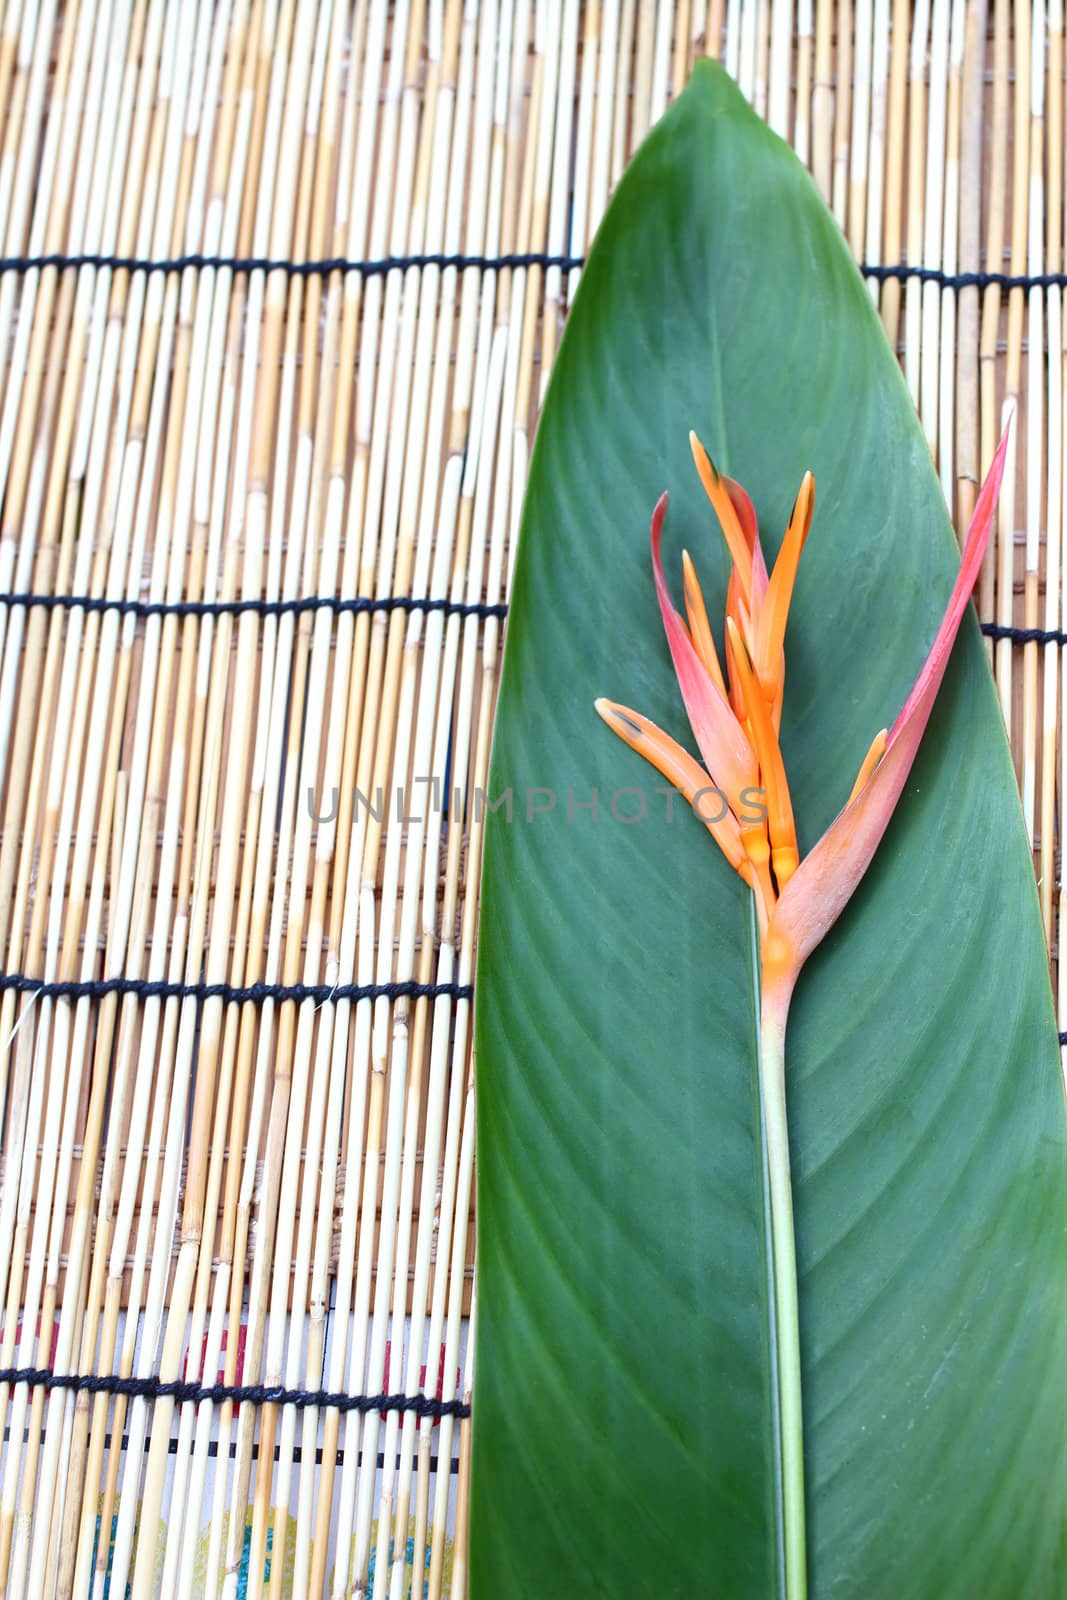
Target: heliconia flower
(735, 717)
(829, 874)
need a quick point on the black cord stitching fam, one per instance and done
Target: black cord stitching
(293, 269)
(994, 630)
(262, 608)
(253, 993)
(359, 604)
(966, 280)
(880, 272)
(255, 1394)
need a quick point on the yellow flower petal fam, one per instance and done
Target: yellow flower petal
(870, 761)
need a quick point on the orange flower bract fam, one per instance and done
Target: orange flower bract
(735, 720)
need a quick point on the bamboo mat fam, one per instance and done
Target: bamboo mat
(256, 531)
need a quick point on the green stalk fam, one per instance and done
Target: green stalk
(786, 1314)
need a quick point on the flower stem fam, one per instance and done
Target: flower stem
(786, 1315)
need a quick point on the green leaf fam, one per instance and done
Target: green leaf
(624, 1427)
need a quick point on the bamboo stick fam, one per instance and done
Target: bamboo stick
(28, 176)
(1035, 416)
(805, 48)
(1054, 488)
(894, 165)
(930, 230)
(877, 142)
(1005, 526)
(557, 218)
(842, 114)
(946, 415)
(969, 313)
(822, 101)
(744, 23)
(995, 251)
(915, 202)
(781, 52)
(860, 141)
